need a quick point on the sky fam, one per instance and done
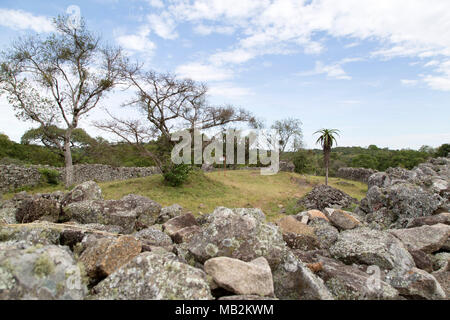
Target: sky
(379, 71)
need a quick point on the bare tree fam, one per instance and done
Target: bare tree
(169, 104)
(59, 79)
(288, 130)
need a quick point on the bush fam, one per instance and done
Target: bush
(176, 174)
(49, 176)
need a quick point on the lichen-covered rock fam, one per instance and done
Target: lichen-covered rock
(8, 215)
(241, 278)
(106, 255)
(293, 280)
(298, 235)
(371, 247)
(174, 225)
(29, 272)
(443, 218)
(107, 212)
(428, 239)
(38, 208)
(441, 261)
(422, 260)
(88, 190)
(325, 232)
(185, 234)
(341, 219)
(443, 277)
(350, 283)
(147, 211)
(152, 276)
(322, 196)
(403, 196)
(237, 233)
(152, 237)
(168, 213)
(36, 233)
(415, 284)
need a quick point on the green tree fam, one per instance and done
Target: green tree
(59, 79)
(443, 150)
(327, 139)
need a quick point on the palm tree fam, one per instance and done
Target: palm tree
(327, 139)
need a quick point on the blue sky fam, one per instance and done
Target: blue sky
(377, 70)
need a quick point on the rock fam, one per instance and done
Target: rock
(403, 201)
(443, 277)
(147, 211)
(237, 233)
(168, 213)
(341, 219)
(415, 284)
(287, 166)
(37, 272)
(322, 196)
(315, 214)
(422, 260)
(8, 215)
(298, 235)
(371, 247)
(88, 190)
(106, 212)
(152, 237)
(36, 233)
(350, 283)
(152, 276)
(107, 255)
(293, 280)
(325, 232)
(186, 234)
(443, 218)
(441, 261)
(428, 239)
(241, 278)
(174, 225)
(379, 179)
(38, 208)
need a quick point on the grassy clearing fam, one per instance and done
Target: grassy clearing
(204, 192)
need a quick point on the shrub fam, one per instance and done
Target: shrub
(176, 174)
(49, 176)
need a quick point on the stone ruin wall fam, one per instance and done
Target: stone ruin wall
(357, 174)
(13, 177)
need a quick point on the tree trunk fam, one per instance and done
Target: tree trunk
(327, 164)
(68, 159)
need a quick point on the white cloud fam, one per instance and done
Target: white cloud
(163, 25)
(137, 42)
(203, 72)
(413, 28)
(334, 71)
(205, 30)
(409, 83)
(229, 90)
(21, 20)
(156, 3)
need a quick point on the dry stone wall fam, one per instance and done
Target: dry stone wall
(357, 174)
(13, 177)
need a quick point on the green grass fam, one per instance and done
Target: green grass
(241, 188)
